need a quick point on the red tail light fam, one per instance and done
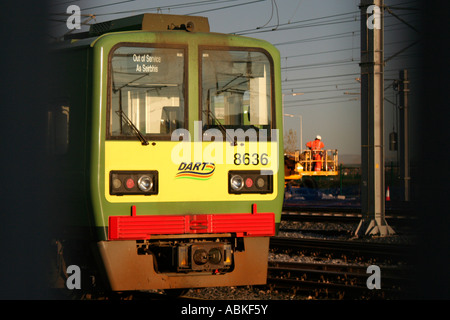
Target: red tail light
(133, 182)
(251, 181)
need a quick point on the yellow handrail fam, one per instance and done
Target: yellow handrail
(307, 161)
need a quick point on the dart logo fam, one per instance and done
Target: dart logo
(195, 170)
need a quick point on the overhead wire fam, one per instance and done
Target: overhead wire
(324, 77)
(289, 23)
(95, 7)
(271, 16)
(328, 90)
(108, 5)
(295, 11)
(61, 3)
(322, 64)
(227, 7)
(329, 20)
(165, 7)
(327, 100)
(304, 24)
(327, 103)
(333, 99)
(316, 53)
(330, 36)
(334, 84)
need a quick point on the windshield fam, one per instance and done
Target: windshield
(147, 89)
(236, 90)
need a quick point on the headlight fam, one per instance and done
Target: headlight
(145, 183)
(250, 181)
(236, 182)
(133, 182)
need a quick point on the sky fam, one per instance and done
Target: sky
(319, 43)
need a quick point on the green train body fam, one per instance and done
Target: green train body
(169, 145)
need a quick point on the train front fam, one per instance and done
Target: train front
(186, 178)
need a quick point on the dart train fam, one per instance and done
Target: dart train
(166, 141)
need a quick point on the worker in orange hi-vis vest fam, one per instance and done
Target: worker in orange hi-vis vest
(316, 148)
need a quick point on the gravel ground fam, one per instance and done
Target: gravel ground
(243, 293)
(402, 233)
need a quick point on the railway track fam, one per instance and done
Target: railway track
(320, 232)
(321, 216)
(334, 215)
(344, 279)
(336, 281)
(346, 249)
(394, 208)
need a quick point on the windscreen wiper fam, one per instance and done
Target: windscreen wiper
(136, 131)
(221, 127)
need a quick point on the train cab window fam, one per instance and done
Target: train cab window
(236, 90)
(147, 92)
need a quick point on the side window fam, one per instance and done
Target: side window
(58, 121)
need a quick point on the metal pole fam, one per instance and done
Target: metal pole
(301, 134)
(403, 131)
(373, 220)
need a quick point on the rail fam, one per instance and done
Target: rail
(346, 248)
(338, 280)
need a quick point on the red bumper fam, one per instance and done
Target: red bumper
(142, 227)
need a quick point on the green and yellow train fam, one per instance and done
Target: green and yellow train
(167, 135)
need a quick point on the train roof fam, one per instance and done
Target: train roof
(145, 22)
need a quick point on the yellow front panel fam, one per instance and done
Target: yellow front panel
(213, 159)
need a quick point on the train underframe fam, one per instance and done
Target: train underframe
(168, 263)
(164, 262)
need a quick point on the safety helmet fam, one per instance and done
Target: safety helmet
(318, 137)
